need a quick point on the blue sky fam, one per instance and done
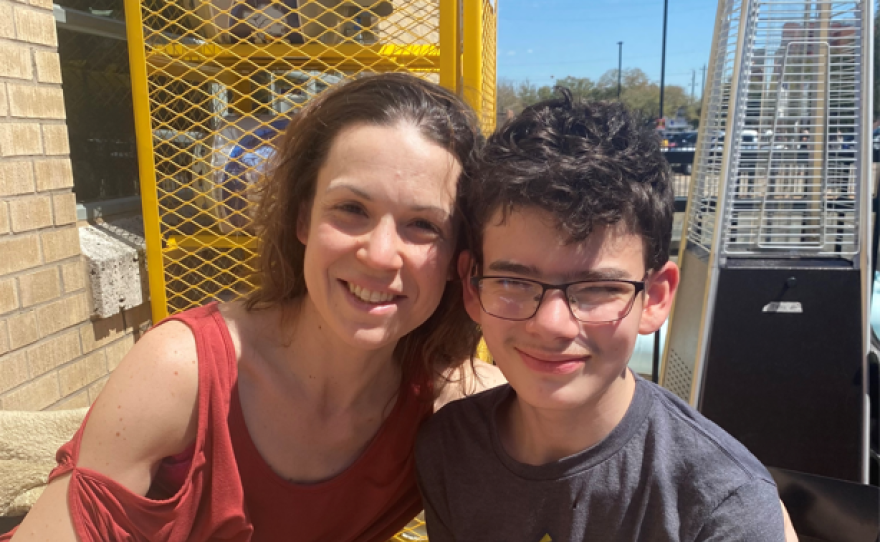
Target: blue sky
(540, 40)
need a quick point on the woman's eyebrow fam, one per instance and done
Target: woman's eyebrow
(357, 191)
(336, 186)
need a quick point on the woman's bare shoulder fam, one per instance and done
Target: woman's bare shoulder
(147, 410)
(252, 328)
(466, 379)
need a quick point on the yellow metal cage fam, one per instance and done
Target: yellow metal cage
(213, 81)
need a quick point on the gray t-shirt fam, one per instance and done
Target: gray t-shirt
(664, 473)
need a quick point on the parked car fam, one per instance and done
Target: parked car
(682, 141)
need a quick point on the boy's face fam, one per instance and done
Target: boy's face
(553, 360)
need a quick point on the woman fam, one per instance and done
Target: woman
(293, 415)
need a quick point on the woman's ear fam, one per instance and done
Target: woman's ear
(466, 265)
(660, 291)
(302, 224)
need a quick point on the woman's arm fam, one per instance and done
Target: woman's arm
(147, 411)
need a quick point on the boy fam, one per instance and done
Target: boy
(568, 265)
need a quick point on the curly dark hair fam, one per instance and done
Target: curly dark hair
(448, 337)
(588, 164)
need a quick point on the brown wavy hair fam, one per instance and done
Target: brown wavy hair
(449, 336)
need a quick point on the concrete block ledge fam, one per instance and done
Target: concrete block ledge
(115, 262)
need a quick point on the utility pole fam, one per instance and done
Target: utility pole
(619, 66)
(693, 83)
(703, 81)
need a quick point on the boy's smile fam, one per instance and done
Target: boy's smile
(562, 368)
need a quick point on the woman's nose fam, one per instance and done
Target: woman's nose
(382, 246)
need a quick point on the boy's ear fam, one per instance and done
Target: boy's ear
(471, 299)
(660, 291)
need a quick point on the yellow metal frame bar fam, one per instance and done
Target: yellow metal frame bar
(472, 55)
(146, 162)
(450, 57)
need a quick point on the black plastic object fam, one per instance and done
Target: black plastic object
(829, 510)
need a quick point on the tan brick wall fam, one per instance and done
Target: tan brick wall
(52, 354)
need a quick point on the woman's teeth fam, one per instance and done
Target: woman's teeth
(368, 296)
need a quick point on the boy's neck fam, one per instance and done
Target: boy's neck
(536, 436)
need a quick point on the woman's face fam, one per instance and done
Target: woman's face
(380, 237)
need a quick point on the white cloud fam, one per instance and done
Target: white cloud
(511, 53)
(529, 51)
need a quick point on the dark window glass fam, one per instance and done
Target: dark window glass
(100, 116)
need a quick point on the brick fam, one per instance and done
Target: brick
(116, 351)
(18, 253)
(35, 395)
(102, 332)
(32, 102)
(53, 352)
(48, 66)
(64, 208)
(61, 314)
(7, 27)
(96, 388)
(45, 4)
(13, 370)
(30, 213)
(55, 139)
(73, 275)
(80, 374)
(16, 178)
(4, 337)
(15, 62)
(4, 218)
(60, 243)
(20, 139)
(35, 26)
(8, 299)
(4, 109)
(39, 287)
(22, 329)
(77, 400)
(53, 173)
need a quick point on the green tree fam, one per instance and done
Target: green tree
(637, 91)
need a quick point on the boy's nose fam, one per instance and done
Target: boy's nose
(381, 248)
(554, 318)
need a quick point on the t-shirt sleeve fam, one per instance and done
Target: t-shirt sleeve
(752, 513)
(429, 475)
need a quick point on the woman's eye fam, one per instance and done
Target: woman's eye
(351, 208)
(427, 226)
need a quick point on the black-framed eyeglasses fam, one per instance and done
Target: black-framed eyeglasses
(590, 301)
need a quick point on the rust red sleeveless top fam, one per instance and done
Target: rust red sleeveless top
(222, 489)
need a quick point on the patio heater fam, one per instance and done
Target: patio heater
(769, 333)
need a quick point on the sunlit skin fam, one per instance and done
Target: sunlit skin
(571, 378)
(381, 225)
